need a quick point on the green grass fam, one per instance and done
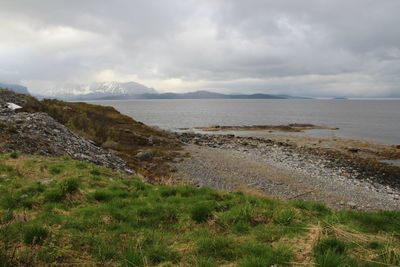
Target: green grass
(108, 218)
(332, 244)
(70, 185)
(35, 234)
(14, 155)
(201, 213)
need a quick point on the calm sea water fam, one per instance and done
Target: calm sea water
(375, 120)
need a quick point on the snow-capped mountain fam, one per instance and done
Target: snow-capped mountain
(103, 90)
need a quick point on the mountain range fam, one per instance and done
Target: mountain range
(103, 90)
(132, 90)
(212, 95)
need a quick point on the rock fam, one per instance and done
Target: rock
(40, 134)
(353, 150)
(46, 180)
(13, 106)
(145, 155)
(351, 204)
(7, 96)
(110, 144)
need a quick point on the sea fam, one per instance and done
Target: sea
(371, 120)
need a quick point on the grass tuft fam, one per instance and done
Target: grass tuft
(54, 195)
(332, 244)
(56, 169)
(95, 172)
(284, 216)
(219, 247)
(70, 185)
(14, 155)
(103, 195)
(35, 234)
(201, 213)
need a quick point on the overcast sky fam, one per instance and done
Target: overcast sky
(299, 47)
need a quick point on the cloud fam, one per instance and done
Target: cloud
(303, 47)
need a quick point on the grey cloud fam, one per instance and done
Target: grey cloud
(303, 47)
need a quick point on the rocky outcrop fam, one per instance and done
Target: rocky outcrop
(7, 96)
(40, 134)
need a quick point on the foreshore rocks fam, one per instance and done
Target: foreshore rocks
(40, 134)
(354, 169)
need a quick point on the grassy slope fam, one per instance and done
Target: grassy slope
(57, 210)
(109, 128)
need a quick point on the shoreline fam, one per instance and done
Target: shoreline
(288, 169)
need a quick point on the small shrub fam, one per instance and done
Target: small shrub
(70, 185)
(53, 195)
(35, 234)
(14, 155)
(200, 213)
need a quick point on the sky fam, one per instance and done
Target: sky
(299, 47)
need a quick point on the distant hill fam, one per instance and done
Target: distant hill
(205, 95)
(133, 90)
(15, 87)
(104, 90)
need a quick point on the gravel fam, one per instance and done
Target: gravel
(282, 171)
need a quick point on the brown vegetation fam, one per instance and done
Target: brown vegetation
(116, 132)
